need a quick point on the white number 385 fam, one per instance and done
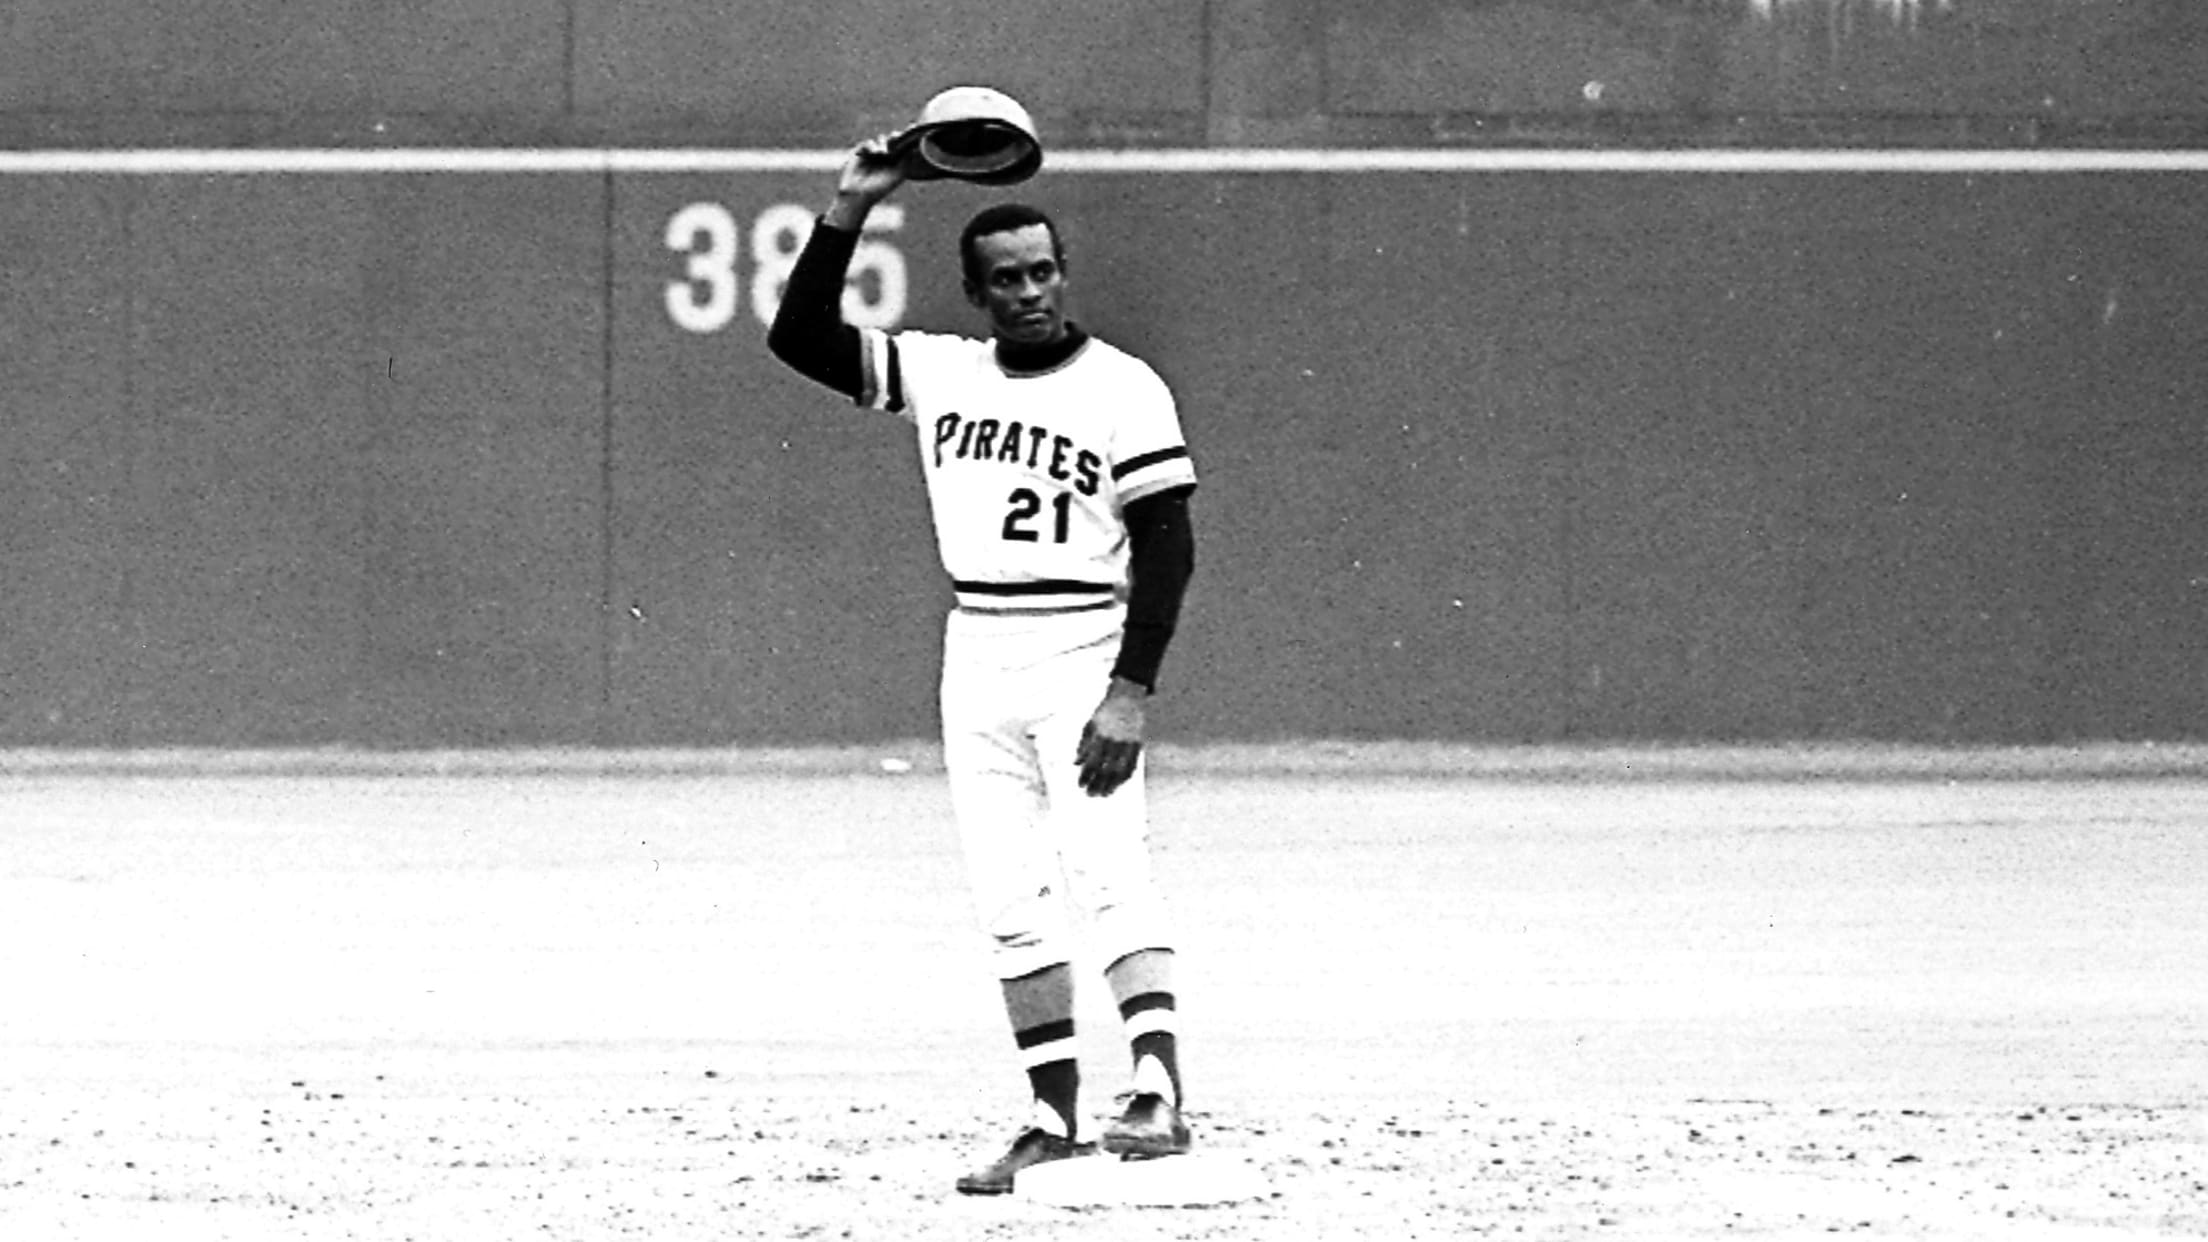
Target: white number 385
(705, 299)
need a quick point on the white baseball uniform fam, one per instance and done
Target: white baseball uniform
(1028, 475)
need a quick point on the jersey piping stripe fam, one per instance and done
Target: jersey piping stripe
(1045, 610)
(1041, 586)
(1145, 460)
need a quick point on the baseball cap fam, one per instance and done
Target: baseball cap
(971, 133)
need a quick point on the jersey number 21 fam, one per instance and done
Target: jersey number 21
(1026, 505)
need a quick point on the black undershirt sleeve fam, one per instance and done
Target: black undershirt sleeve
(1162, 552)
(808, 331)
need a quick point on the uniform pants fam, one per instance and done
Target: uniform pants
(1042, 856)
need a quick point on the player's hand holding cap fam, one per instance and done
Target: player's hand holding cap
(970, 133)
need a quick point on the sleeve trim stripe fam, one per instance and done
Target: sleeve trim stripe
(881, 383)
(870, 369)
(1152, 486)
(1132, 464)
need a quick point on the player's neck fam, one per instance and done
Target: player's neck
(1018, 359)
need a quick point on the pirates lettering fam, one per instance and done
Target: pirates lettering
(1028, 446)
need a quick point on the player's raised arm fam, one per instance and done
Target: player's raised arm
(809, 332)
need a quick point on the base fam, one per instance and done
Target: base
(1199, 1179)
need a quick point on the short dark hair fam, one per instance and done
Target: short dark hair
(1004, 218)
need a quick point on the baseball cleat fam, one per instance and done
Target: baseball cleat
(1149, 1128)
(1033, 1147)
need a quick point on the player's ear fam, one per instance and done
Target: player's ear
(973, 293)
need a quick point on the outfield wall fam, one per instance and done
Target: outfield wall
(464, 457)
(752, 73)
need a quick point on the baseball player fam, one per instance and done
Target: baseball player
(1058, 480)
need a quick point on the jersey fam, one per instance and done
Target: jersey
(1029, 473)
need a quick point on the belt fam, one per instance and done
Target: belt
(1034, 598)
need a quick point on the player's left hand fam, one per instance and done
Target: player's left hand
(1112, 740)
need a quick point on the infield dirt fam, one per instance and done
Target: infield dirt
(669, 1004)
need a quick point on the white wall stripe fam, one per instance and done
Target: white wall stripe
(156, 163)
(1669, 161)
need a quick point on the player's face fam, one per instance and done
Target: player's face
(1018, 281)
